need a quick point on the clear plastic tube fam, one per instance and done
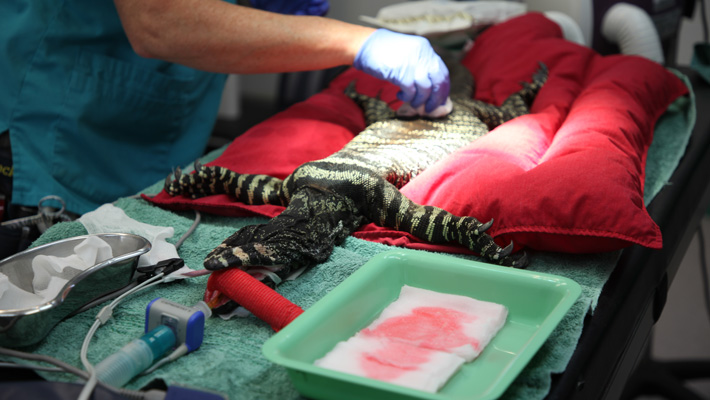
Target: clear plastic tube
(132, 359)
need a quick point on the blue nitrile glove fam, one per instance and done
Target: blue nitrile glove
(409, 62)
(293, 7)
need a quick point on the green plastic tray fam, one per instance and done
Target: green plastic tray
(536, 303)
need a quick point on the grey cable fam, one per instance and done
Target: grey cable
(189, 232)
(33, 367)
(62, 366)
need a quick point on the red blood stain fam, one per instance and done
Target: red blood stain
(392, 360)
(435, 328)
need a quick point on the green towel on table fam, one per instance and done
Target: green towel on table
(230, 359)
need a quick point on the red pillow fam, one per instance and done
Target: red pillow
(567, 177)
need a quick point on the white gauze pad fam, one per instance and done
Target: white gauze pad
(392, 361)
(450, 323)
(51, 273)
(406, 110)
(14, 298)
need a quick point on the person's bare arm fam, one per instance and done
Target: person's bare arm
(216, 36)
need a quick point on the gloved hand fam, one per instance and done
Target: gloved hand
(294, 7)
(410, 63)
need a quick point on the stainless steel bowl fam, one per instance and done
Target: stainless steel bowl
(28, 326)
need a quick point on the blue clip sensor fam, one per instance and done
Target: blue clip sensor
(188, 323)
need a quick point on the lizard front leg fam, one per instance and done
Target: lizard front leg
(206, 181)
(515, 105)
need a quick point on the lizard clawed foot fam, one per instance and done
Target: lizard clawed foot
(257, 259)
(518, 260)
(197, 166)
(172, 184)
(246, 255)
(262, 252)
(198, 184)
(504, 256)
(475, 238)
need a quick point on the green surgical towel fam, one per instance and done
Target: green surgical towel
(230, 360)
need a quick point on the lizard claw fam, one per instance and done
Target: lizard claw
(484, 227)
(507, 250)
(172, 183)
(519, 260)
(167, 184)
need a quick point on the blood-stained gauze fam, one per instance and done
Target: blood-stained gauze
(439, 321)
(392, 361)
(419, 340)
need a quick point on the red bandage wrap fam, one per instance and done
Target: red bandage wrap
(262, 301)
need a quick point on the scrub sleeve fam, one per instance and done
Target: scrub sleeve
(89, 120)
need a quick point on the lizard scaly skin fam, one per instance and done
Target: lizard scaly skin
(328, 199)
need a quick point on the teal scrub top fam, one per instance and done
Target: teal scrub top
(89, 119)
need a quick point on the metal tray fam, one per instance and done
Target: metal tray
(25, 327)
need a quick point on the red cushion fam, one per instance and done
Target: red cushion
(567, 177)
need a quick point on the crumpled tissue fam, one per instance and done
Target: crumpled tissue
(110, 219)
(52, 273)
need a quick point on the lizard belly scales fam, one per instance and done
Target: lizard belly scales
(326, 200)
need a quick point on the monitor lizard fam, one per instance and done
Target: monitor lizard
(327, 200)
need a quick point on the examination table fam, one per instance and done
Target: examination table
(615, 340)
(592, 354)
